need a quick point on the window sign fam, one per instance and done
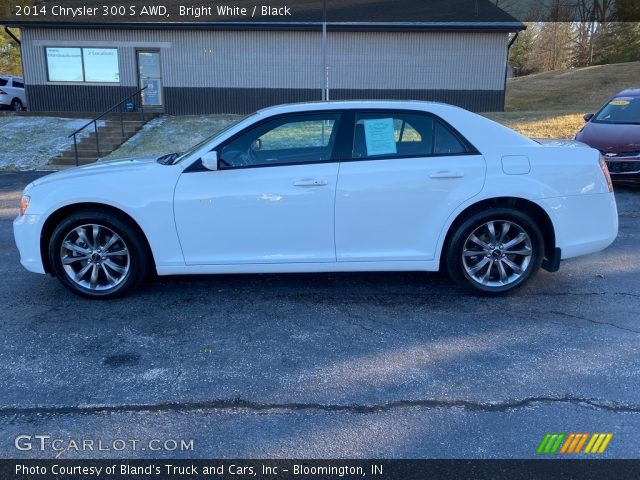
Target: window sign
(380, 136)
(151, 95)
(98, 65)
(101, 65)
(65, 64)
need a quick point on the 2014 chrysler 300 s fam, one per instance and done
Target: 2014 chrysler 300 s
(335, 186)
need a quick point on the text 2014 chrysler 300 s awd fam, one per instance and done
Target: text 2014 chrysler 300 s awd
(318, 187)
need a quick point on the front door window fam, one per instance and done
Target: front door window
(298, 139)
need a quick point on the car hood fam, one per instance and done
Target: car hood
(124, 166)
(614, 138)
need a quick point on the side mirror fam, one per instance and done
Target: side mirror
(210, 160)
(588, 116)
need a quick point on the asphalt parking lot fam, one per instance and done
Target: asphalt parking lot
(325, 365)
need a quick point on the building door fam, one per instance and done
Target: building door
(150, 76)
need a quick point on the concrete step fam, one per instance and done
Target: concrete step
(107, 137)
(52, 167)
(72, 161)
(130, 130)
(90, 148)
(110, 137)
(91, 142)
(86, 153)
(104, 143)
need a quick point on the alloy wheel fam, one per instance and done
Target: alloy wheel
(95, 257)
(497, 253)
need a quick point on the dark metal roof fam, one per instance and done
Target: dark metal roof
(347, 15)
(349, 27)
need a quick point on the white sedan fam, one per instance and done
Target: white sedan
(319, 187)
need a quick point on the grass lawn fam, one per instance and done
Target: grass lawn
(573, 90)
(541, 124)
(551, 104)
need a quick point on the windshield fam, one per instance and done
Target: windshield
(620, 110)
(186, 154)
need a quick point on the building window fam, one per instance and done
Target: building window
(65, 64)
(83, 65)
(101, 65)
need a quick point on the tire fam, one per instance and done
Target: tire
(112, 267)
(505, 260)
(16, 105)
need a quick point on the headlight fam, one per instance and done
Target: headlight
(24, 204)
(605, 172)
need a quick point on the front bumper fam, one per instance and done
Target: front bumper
(26, 231)
(624, 169)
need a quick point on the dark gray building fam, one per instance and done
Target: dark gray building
(240, 66)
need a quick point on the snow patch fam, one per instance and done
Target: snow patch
(28, 143)
(170, 134)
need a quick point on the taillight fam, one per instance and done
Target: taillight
(605, 171)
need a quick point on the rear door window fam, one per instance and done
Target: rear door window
(404, 135)
(3, 82)
(446, 142)
(392, 135)
(18, 84)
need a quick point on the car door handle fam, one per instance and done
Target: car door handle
(447, 174)
(310, 182)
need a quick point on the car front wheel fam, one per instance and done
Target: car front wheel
(97, 255)
(495, 251)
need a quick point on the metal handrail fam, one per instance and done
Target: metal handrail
(95, 122)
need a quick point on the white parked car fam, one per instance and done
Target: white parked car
(318, 187)
(12, 93)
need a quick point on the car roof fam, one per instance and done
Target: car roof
(354, 104)
(632, 92)
(10, 77)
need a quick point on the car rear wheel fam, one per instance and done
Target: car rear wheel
(16, 105)
(495, 251)
(97, 255)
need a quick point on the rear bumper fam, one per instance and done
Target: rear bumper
(26, 231)
(583, 223)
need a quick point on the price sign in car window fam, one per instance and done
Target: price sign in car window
(621, 101)
(379, 136)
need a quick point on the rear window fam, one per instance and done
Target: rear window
(3, 82)
(18, 84)
(620, 110)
